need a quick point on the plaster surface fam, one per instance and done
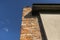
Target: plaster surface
(51, 23)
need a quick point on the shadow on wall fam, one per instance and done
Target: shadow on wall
(29, 15)
(43, 34)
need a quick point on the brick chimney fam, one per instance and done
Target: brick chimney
(29, 28)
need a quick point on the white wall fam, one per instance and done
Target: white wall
(51, 23)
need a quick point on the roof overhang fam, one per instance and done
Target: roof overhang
(45, 8)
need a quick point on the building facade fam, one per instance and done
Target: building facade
(41, 22)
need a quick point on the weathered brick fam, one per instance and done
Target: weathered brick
(27, 37)
(25, 31)
(29, 28)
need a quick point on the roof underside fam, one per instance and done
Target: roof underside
(45, 8)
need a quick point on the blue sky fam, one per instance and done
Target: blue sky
(10, 16)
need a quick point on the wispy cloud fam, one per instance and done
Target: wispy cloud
(5, 29)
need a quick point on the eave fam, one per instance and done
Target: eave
(45, 8)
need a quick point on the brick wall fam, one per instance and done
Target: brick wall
(29, 28)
